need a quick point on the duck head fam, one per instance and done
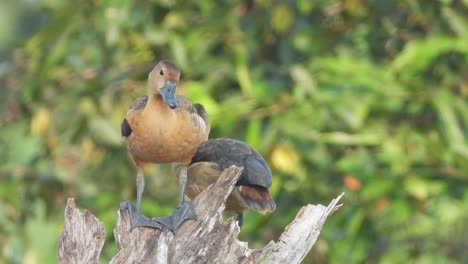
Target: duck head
(163, 80)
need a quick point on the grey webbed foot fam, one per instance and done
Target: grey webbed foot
(184, 212)
(137, 218)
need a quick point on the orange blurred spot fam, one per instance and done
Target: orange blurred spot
(352, 183)
(381, 203)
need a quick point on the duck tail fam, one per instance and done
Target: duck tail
(257, 198)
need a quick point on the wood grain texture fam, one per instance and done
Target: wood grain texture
(300, 235)
(82, 238)
(210, 239)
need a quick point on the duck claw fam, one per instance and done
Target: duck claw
(184, 212)
(137, 218)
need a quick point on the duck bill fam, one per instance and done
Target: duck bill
(168, 94)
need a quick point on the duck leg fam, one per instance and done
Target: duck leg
(185, 210)
(240, 219)
(136, 216)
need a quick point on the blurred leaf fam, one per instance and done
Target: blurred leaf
(19, 148)
(418, 54)
(305, 6)
(245, 82)
(104, 131)
(304, 81)
(457, 22)
(454, 132)
(422, 189)
(377, 188)
(40, 121)
(417, 187)
(42, 235)
(355, 223)
(197, 94)
(285, 159)
(349, 139)
(254, 134)
(282, 18)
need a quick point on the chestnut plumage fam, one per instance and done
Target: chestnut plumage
(163, 127)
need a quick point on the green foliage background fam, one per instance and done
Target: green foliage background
(366, 97)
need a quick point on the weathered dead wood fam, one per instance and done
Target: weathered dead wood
(210, 239)
(82, 238)
(299, 236)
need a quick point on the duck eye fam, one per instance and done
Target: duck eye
(161, 72)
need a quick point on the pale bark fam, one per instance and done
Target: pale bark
(82, 238)
(209, 239)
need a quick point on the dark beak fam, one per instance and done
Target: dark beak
(168, 94)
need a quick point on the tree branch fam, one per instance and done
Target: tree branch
(209, 239)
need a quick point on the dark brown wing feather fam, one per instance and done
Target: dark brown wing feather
(227, 152)
(139, 103)
(125, 128)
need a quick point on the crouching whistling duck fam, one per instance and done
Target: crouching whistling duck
(215, 155)
(163, 127)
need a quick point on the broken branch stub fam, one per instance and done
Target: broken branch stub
(82, 238)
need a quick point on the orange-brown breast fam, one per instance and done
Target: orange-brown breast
(160, 134)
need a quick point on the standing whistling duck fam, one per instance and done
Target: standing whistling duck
(215, 155)
(163, 127)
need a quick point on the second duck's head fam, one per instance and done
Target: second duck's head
(163, 80)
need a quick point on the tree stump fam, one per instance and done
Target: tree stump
(209, 239)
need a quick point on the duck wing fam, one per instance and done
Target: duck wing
(184, 104)
(139, 104)
(227, 152)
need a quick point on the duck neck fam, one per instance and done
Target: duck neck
(153, 97)
(156, 104)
